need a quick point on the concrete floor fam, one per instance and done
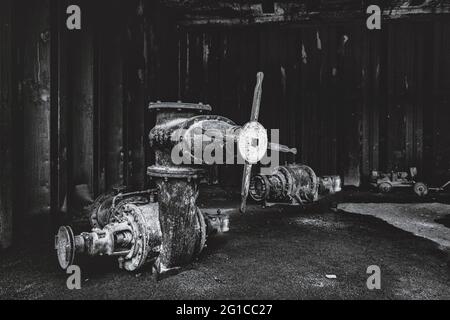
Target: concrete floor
(273, 253)
(427, 220)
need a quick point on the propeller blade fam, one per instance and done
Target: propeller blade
(257, 97)
(245, 186)
(246, 175)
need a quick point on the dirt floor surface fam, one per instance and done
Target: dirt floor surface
(272, 253)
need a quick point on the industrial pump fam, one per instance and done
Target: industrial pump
(165, 224)
(127, 225)
(292, 184)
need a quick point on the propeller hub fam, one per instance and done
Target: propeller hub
(252, 142)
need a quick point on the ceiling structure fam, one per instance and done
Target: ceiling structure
(270, 11)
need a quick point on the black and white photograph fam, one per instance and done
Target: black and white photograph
(224, 156)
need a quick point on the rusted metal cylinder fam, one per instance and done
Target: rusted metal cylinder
(177, 187)
(185, 129)
(329, 185)
(180, 241)
(293, 183)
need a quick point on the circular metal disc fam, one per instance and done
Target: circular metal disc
(259, 188)
(385, 187)
(138, 253)
(252, 142)
(65, 247)
(421, 189)
(201, 232)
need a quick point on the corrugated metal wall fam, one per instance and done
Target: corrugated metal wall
(351, 100)
(32, 130)
(103, 91)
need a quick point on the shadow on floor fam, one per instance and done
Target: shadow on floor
(272, 253)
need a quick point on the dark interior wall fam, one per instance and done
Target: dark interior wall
(349, 99)
(6, 137)
(122, 58)
(107, 73)
(437, 143)
(72, 104)
(32, 132)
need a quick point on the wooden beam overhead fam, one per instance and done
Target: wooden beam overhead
(227, 12)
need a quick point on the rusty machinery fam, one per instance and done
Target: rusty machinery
(126, 225)
(386, 182)
(165, 223)
(292, 184)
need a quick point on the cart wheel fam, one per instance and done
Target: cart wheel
(421, 189)
(385, 187)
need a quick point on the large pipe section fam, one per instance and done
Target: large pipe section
(166, 223)
(127, 226)
(293, 184)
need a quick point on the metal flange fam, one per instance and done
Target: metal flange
(65, 246)
(175, 172)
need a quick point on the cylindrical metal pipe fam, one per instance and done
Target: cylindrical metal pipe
(177, 187)
(179, 222)
(294, 183)
(186, 126)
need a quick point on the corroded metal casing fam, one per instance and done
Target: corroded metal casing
(329, 185)
(124, 225)
(179, 222)
(177, 186)
(292, 183)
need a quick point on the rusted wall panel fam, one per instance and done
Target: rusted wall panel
(440, 129)
(300, 95)
(350, 77)
(81, 84)
(105, 74)
(233, 13)
(34, 96)
(59, 108)
(110, 97)
(136, 95)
